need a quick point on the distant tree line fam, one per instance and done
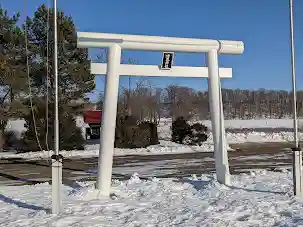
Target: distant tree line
(147, 102)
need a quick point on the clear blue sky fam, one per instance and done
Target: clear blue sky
(262, 25)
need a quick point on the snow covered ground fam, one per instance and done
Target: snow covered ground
(260, 198)
(255, 123)
(257, 199)
(166, 146)
(165, 123)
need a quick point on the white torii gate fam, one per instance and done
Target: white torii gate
(113, 69)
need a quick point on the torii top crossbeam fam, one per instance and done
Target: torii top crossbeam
(156, 43)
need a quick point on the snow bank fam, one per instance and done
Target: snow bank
(245, 137)
(238, 123)
(257, 199)
(260, 137)
(260, 123)
(165, 147)
(18, 125)
(165, 123)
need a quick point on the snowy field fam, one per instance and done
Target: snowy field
(257, 199)
(18, 125)
(166, 146)
(257, 123)
(260, 198)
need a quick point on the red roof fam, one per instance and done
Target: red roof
(92, 117)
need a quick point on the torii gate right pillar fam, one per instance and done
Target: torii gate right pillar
(217, 119)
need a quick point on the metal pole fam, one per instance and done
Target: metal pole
(129, 95)
(56, 159)
(56, 80)
(297, 155)
(221, 159)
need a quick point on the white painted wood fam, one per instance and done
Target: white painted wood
(154, 70)
(158, 43)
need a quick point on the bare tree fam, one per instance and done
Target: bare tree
(102, 58)
(148, 102)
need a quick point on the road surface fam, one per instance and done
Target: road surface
(270, 156)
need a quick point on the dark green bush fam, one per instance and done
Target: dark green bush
(183, 133)
(71, 137)
(180, 129)
(130, 134)
(11, 141)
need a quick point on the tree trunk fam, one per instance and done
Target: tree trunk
(2, 129)
(1, 139)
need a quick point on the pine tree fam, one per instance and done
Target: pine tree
(13, 77)
(75, 80)
(71, 137)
